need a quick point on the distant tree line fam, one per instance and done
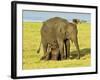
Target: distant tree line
(79, 21)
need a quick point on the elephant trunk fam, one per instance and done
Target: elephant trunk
(75, 40)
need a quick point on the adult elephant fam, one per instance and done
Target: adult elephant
(61, 30)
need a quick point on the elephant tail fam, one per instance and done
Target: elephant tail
(38, 51)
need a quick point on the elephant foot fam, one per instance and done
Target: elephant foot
(65, 57)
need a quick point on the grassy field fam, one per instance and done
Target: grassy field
(31, 41)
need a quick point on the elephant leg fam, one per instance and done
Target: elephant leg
(61, 48)
(54, 55)
(67, 48)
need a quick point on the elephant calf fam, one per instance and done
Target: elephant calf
(52, 52)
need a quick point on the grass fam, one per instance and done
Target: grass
(31, 41)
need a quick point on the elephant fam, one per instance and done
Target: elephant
(62, 31)
(52, 52)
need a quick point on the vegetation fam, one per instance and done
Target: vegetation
(31, 41)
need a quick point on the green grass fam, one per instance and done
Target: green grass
(31, 41)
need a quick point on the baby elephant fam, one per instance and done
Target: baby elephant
(52, 52)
